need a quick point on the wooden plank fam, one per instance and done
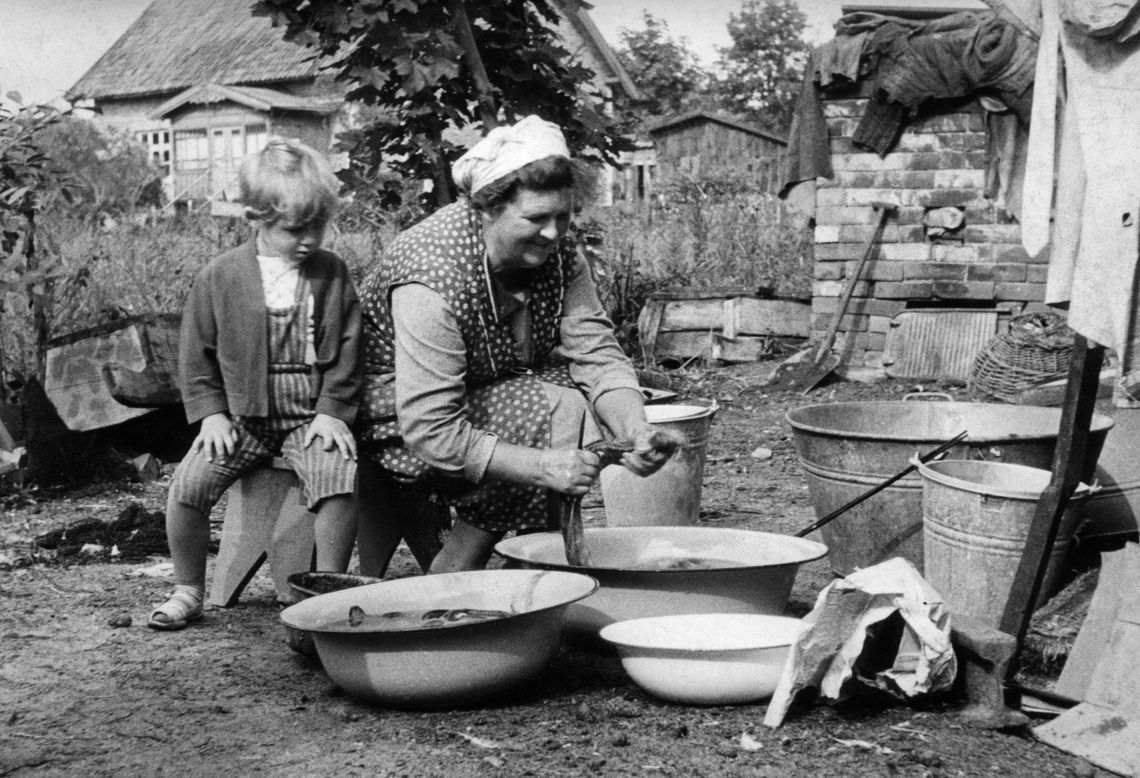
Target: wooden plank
(1102, 736)
(687, 345)
(1106, 728)
(753, 316)
(1119, 576)
(728, 317)
(910, 9)
(710, 293)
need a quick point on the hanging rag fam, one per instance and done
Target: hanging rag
(837, 63)
(1037, 191)
(1006, 141)
(953, 56)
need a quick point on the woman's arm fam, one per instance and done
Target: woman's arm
(606, 375)
(597, 363)
(431, 364)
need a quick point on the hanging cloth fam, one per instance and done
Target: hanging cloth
(1103, 85)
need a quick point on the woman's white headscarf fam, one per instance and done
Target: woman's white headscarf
(505, 150)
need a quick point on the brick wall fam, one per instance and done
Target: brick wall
(939, 160)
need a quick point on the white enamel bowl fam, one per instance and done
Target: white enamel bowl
(463, 662)
(705, 658)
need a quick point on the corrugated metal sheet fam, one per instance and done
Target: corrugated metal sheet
(937, 343)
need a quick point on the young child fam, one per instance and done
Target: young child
(269, 362)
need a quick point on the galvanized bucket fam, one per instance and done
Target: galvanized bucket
(847, 448)
(976, 518)
(671, 496)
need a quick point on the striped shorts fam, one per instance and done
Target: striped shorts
(200, 483)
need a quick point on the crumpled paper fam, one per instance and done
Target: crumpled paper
(854, 630)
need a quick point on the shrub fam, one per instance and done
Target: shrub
(699, 234)
(147, 266)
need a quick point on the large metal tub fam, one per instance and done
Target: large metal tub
(747, 571)
(847, 448)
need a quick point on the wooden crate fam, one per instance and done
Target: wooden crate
(730, 324)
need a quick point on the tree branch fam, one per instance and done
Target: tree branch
(484, 92)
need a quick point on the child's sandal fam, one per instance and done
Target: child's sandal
(183, 607)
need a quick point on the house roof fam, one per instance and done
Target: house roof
(257, 97)
(589, 31)
(693, 117)
(176, 44)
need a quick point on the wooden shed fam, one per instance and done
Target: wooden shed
(700, 142)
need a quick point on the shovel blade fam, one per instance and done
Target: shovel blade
(803, 376)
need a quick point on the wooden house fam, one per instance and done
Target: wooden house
(203, 83)
(702, 142)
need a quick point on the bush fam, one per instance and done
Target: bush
(147, 266)
(108, 172)
(698, 234)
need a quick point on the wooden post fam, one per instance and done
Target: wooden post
(1068, 464)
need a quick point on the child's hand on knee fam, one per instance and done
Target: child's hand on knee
(217, 437)
(335, 434)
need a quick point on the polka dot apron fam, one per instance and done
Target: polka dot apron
(445, 253)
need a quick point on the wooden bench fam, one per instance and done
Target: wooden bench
(265, 520)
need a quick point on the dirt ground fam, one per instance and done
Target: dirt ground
(79, 696)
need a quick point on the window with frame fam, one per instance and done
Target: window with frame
(256, 136)
(158, 149)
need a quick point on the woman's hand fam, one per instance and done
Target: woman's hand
(652, 447)
(334, 433)
(567, 471)
(217, 437)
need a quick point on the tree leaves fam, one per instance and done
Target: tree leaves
(403, 57)
(762, 69)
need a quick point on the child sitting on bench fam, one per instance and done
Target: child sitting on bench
(269, 362)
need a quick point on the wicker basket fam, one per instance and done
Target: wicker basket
(1035, 350)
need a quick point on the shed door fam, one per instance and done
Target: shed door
(226, 150)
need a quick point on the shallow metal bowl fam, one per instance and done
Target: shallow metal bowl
(744, 571)
(444, 666)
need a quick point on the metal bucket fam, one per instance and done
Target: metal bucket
(306, 585)
(976, 518)
(847, 448)
(671, 496)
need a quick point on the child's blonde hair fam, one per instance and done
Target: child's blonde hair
(288, 180)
